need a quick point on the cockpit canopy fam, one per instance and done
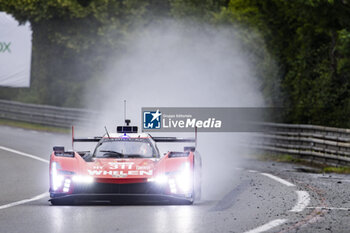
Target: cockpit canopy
(125, 148)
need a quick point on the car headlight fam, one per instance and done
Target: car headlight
(184, 178)
(179, 181)
(82, 179)
(57, 179)
(160, 179)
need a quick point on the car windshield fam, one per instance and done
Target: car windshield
(125, 148)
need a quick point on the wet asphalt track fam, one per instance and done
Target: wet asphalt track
(257, 202)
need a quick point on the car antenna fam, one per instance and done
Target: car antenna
(72, 137)
(107, 133)
(127, 121)
(125, 111)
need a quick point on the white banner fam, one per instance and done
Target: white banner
(15, 52)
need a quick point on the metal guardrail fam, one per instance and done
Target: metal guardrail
(327, 145)
(43, 114)
(320, 144)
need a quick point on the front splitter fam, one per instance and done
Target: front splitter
(116, 198)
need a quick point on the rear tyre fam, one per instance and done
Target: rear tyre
(197, 188)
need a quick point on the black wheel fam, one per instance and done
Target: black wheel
(198, 194)
(197, 184)
(60, 202)
(190, 202)
(194, 195)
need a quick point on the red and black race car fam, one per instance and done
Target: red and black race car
(125, 166)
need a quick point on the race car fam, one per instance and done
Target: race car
(125, 166)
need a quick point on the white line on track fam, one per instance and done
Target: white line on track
(282, 181)
(328, 208)
(268, 226)
(40, 196)
(302, 202)
(24, 154)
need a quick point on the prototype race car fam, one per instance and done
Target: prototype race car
(125, 166)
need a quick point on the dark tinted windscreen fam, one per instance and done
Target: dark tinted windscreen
(125, 148)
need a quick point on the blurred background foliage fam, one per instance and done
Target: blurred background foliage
(300, 48)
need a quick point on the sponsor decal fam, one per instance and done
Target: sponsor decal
(143, 168)
(120, 165)
(121, 170)
(119, 174)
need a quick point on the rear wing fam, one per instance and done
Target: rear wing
(173, 139)
(156, 139)
(89, 139)
(94, 139)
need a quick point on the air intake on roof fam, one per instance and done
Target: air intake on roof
(126, 129)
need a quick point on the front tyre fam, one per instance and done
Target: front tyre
(58, 202)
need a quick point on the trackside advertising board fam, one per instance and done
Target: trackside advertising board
(15, 52)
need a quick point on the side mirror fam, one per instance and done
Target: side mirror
(58, 149)
(83, 153)
(190, 148)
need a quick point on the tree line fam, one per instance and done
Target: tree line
(308, 42)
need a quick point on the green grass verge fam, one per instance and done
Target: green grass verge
(285, 158)
(32, 126)
(341, 170)
(280, 158)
